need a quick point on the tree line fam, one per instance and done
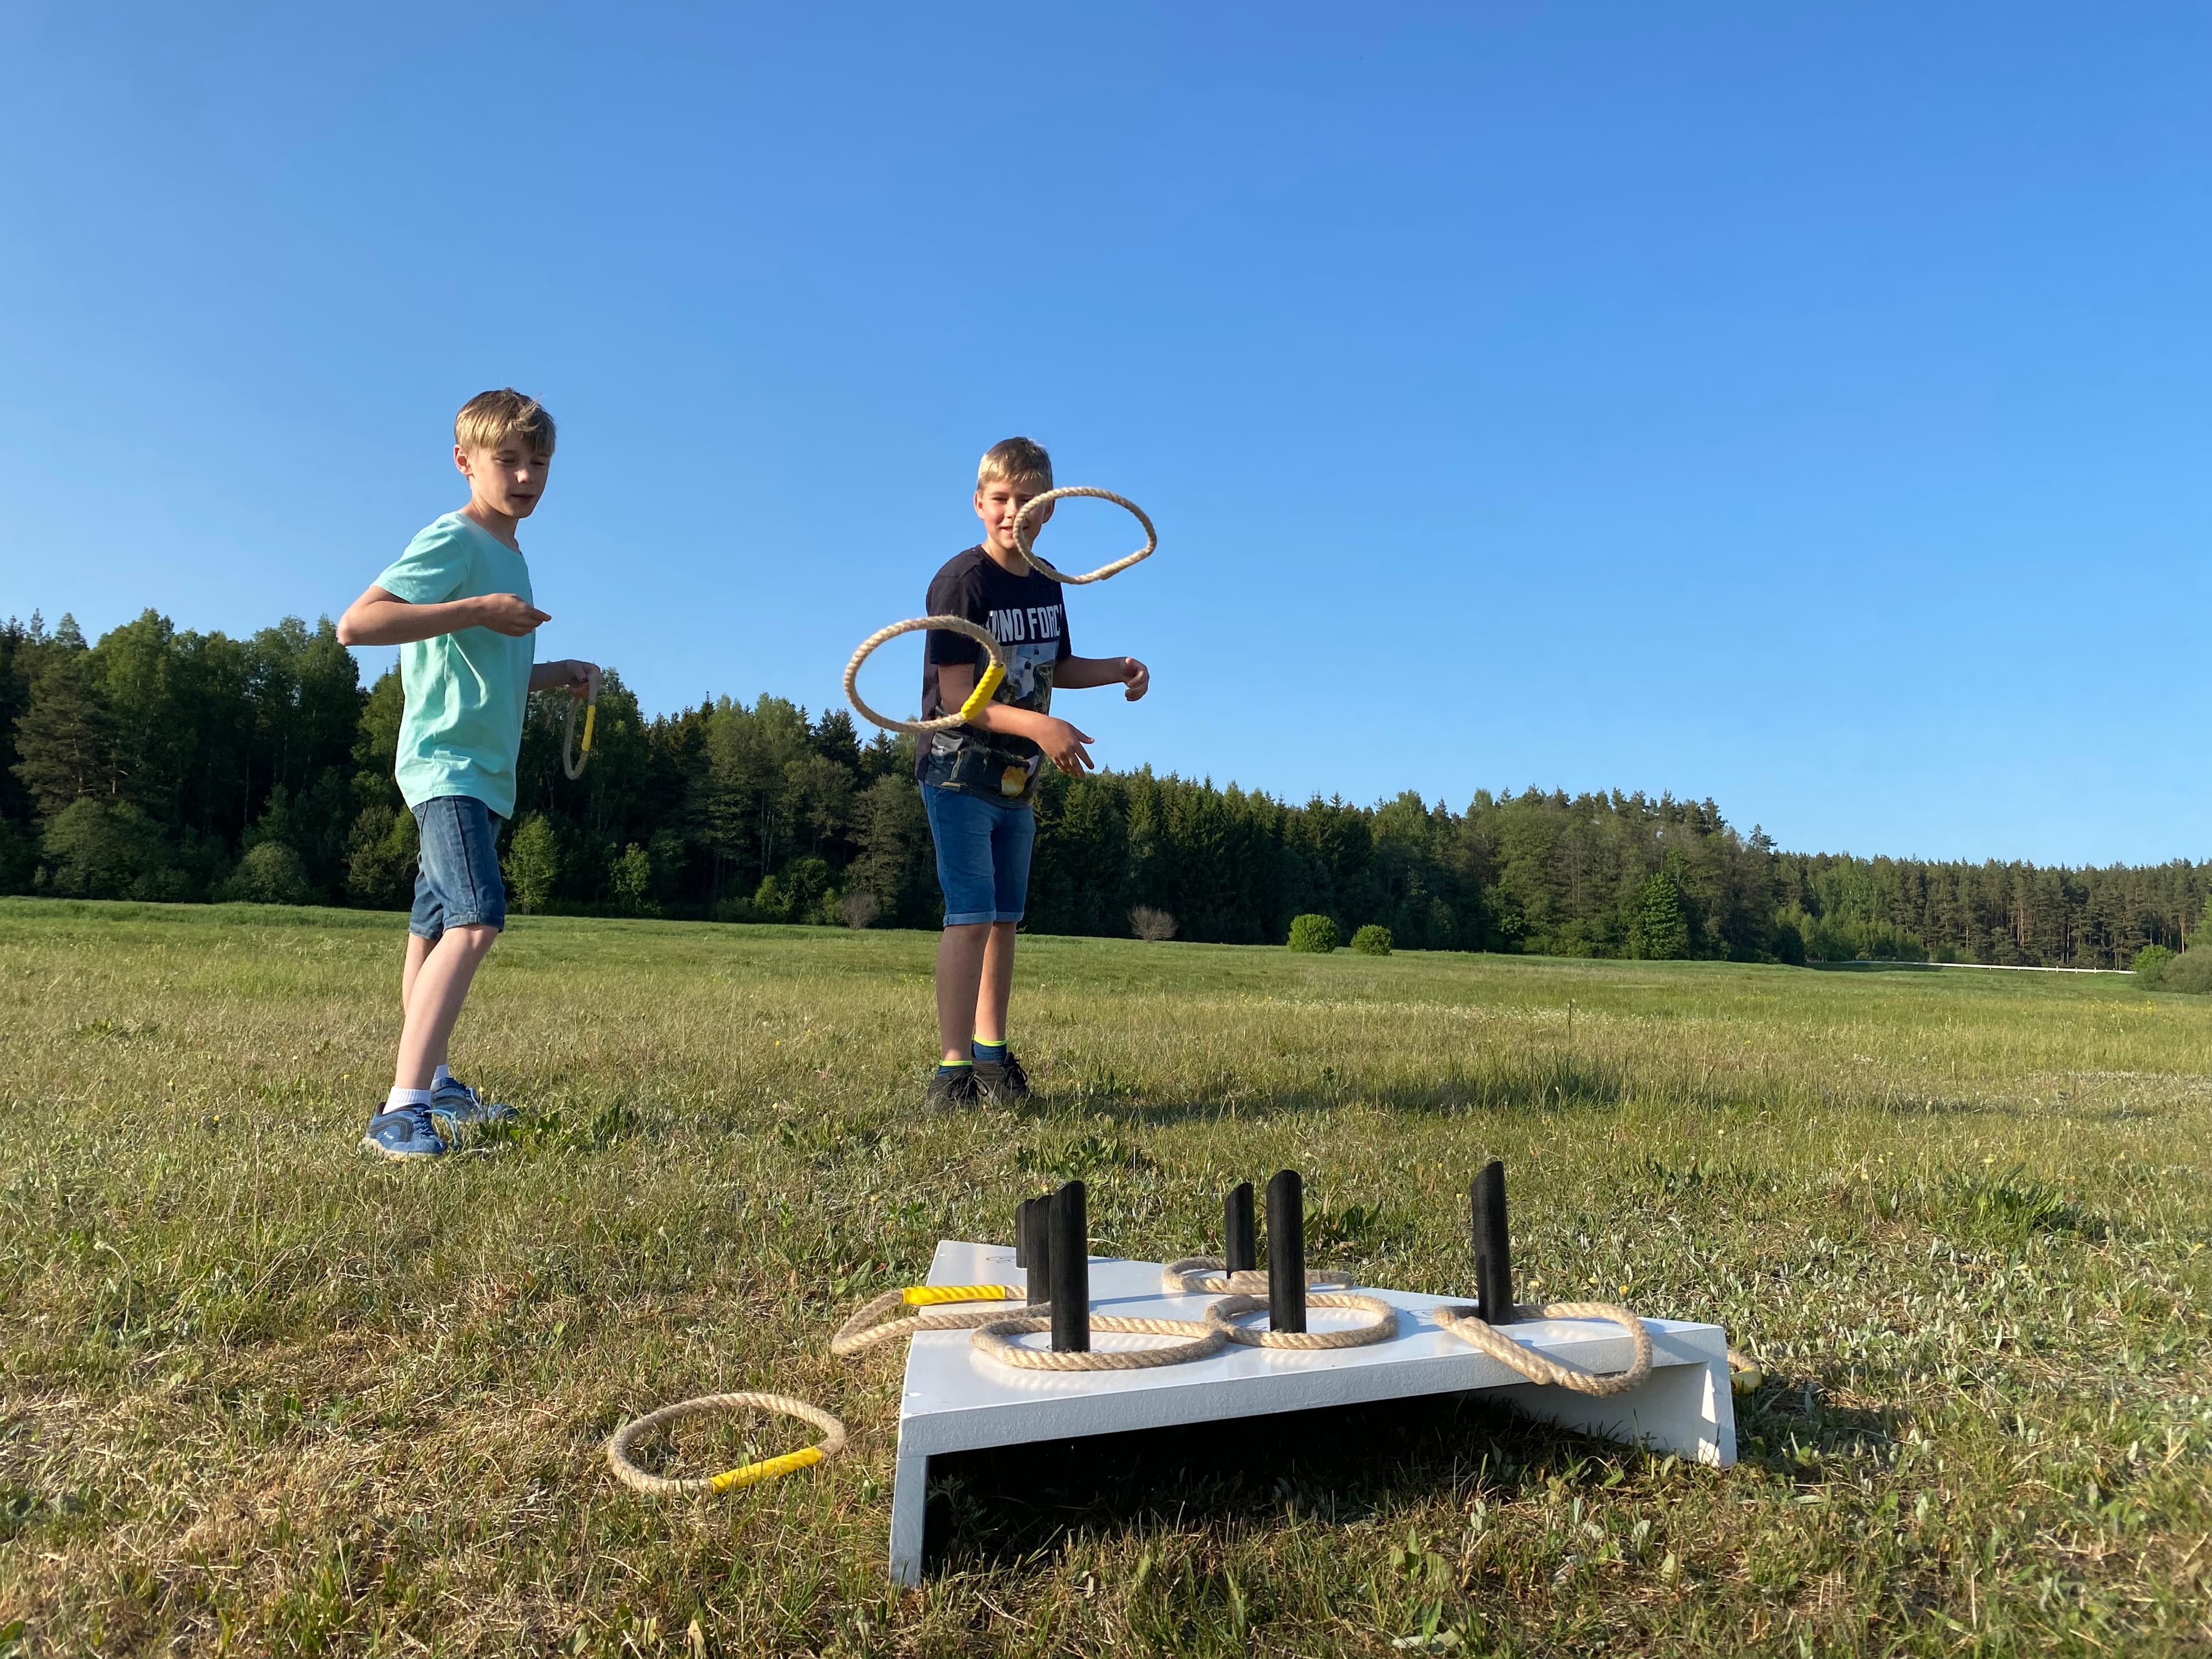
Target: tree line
(165, 764)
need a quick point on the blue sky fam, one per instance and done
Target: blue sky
(1805, 409)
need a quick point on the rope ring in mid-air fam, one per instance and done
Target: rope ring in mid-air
(1025, 534)
(1384, 1326)
(995, 1341)
(747, 1474)
(1466, 1324)
(985, 683)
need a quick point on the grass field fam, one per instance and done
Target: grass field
(260, 1394)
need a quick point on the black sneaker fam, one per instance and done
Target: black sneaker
(951, 1091)
(1002, 1085)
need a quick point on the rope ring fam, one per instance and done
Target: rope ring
(862, 1331)
(1208, 1275)
(995, 1341)
(984, 685)
(1025, 535)
(746, 1474)
(1466, 1324)
(573, 761)
(1382, 1329)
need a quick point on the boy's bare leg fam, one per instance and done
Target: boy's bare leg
(996, 985)
(418, 952)
(960, 963)
(435, 994)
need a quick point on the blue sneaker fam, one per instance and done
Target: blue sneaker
(456, 1106)
(404, 1133)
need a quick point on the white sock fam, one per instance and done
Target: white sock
(443, 1075)
(399, 1098)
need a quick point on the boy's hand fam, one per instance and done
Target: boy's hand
(583, 679)
(510, 614)
(1136, 678)
(1064, 746)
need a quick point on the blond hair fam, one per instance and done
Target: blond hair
(1017, 460)
(491, 418)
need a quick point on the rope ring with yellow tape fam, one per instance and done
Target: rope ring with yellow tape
(985, 683)
(866, 1328)
(1025, 534)
(573, 759)
(747, 1474)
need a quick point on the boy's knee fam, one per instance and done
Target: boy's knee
(476, 938)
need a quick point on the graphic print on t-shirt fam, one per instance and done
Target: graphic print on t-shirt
(1028, 617)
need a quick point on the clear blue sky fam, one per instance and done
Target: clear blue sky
(1802, 407)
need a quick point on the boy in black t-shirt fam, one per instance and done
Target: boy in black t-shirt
(977, 780)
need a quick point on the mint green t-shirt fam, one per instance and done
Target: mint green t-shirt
(466, 691)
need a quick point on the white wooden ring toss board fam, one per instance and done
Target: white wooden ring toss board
(955, 1400)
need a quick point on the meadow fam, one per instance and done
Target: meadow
(260, 1393)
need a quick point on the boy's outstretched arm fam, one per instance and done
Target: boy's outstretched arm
(380, 618)
(1080, 673)
(579, 678)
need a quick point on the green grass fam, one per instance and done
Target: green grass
(260, 1394)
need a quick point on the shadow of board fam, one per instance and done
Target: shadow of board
(1567, 1086)
(1013, 1506)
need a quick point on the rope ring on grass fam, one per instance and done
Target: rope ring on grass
(1222, 1313)
(1025, 534)
(985, 683)
(1209, 1275)
(746, 1474)
(1466, 1324)
(863, 1331)
(995, 1341)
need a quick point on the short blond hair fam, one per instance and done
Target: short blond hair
(491, 418)
(1015, 460)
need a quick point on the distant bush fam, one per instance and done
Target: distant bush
(2150, 966)
(533, 863)
(859, 908)
(629, 878)
(1658, 929)
(1851, 939)
(1148, 922)
(2190, 971)
(270, 873)
(98, 848)
(1313, 932)
(1372, 940)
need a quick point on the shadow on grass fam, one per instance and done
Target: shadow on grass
(1565, 1085)
(1014, 1505)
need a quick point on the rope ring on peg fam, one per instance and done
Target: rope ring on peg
(985, 683)
(1222, 1313)
(1209, 1275)
(747, 1474)
(995, 1341)
(1025, 534)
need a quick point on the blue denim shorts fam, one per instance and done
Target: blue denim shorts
(982, 855)
(457, 880)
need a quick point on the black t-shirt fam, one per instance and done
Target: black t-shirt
(1027, 616)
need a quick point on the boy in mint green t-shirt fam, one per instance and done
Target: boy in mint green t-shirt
(457, 603)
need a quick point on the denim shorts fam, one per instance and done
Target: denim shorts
(982, 855)
(457, 881)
